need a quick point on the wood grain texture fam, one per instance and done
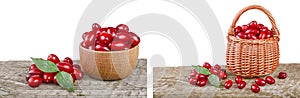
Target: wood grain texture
(13, 84)
(172, 82)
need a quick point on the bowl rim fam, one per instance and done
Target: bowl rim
(122, 51)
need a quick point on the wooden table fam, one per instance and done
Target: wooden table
(172, 82)
(13, 84)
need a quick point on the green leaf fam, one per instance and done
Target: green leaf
(201, 70)
(45, 65)
(65, 80)
(214, 80)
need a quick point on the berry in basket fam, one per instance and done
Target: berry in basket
(252, 31)
(110, 38)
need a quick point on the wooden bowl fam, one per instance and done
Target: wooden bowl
(113, 65)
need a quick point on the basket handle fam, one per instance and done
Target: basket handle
(273, 29)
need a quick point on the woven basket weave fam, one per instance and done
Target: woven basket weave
(114, 65)
(252, 58)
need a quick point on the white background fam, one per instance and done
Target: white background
(34, 28)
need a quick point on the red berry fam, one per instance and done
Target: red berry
(193, 73)
(53, 58)
(201, 82)
(252, 36)
(249, 31)
(122, 36)
(48, 77)
(111, 31)
(259, 26)
(77, 66)
(242, 35)
(282, 75)
(101, 47)
(238, 79)
(193, 80)
(73, 77)
(207, 65)
(122, 27)
(68, 60)
(228, 84)
(238, 29)
(96, 26)
(264, 29)
(54, 79)
(269, 80)
(217, 66)
(260, 82)
(245, 27)
(119, 45)
(35, 71)
(35, 81)
(135, 39)
(104, 38)
(201, 76)
(78, 74)
(255, 88)
(63, 66)
(262, 35)
(90, 38)
(84, 35)
(269, 34)
(253, 24)
(214, 71)
(222, 74)
(242, 84)
(32, 66)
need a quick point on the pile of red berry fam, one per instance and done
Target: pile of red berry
(110, 38)
(199, 79)
(258, 82)
(253, 31)
(35, 76)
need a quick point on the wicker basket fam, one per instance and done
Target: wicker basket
(252, 58)
(114, 65)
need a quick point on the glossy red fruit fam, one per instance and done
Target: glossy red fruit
(249, 31)
(245, 27)
(242, 35)
(35, 81)
(253, 24)
(96, 26)
(122, 36)
(63, 66)
(228, 84)
(255, 88)
(214, 71)
(207, 65)
(90, 39)
(238, 79)
(27, 76)
(270, 80)
(76, 66)
(32, 66)
(201, 82)
(262, 35)
(135, 39)
(119, 45)
(242, 84)
(73, 77)
(193, 80)
(259, 26)
(260, 82)
(282, 75)
(48, 77)
(269, 34)
(255, 31)
(122, 27)
(201, 76)
(193, 73)
(68, 60)
(222, 74)
(238, 29)
(78, 74)
(264, 29)
(54, 79)
(84, 35)
(101, 47)
(111, 31)
(252, 36)
(53, 58)
(84, 45)
(35, 71)
(217, 66)
(104, 38)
